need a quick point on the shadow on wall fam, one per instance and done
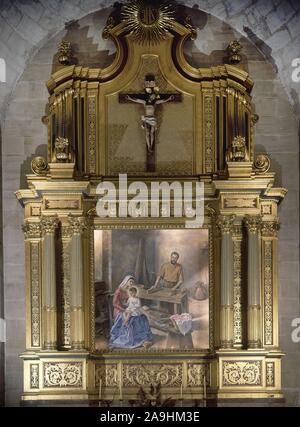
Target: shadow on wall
(85, 50)
(261, 46)
(195, 56)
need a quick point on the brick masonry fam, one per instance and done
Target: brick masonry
(29, 34)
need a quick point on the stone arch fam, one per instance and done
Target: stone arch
(272, 26)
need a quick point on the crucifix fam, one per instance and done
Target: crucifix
(150, 100)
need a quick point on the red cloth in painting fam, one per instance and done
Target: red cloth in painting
(119, 300)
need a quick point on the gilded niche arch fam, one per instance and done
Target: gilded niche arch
(153, 116)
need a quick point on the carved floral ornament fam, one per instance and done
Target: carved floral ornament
(225, 223)
(31, 230)
(270, 228)
(238, 151)
(63, 374)
(77, 224)
(143, 375)
(65, 52)
(234, 50)
(62, 150)
(241, 373)
(34, 375)
(49, 224)
(253, 223)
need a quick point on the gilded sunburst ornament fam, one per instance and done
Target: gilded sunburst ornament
(148, 21)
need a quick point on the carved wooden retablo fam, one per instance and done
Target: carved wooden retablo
(154, 117)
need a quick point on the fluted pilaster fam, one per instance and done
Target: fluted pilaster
(77, 227)
(253, 224)
(225, 224)
(48, 226)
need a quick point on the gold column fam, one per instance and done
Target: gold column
(225, 225)
(253, 224)
(77, 225)
(49, 225)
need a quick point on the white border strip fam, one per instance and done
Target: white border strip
(2, 330)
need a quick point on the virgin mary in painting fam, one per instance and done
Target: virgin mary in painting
(128, 333)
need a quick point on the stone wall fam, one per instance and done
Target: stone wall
(24, 135)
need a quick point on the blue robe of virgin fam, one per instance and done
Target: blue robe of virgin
(132, 335)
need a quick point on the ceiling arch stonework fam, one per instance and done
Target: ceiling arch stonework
(26, 25)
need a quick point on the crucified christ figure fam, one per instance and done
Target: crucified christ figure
(150, 100)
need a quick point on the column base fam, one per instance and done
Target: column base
(254, 344)
(50, 346)
(226, 344)
(78, 345)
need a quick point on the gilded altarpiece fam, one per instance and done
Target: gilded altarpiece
(202, 130)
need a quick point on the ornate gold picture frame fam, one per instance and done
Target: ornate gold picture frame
(102, 225)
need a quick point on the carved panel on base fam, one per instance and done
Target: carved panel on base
(64, 374)
(143, 375)
(241, 373)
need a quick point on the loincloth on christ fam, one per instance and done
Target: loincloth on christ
(150, 121)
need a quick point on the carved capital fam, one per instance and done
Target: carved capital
(225, 223)
(77, 224)
(49, 224)
(270, 228)
(32, 230)
(253, 223)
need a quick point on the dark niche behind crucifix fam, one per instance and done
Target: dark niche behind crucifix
(150, 99)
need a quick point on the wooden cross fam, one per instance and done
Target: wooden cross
(150, 99)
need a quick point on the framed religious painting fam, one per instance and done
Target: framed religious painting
(155, 287)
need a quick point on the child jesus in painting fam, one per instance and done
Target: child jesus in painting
(134, 304)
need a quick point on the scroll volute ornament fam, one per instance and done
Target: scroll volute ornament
(262, 163)
(39, 166)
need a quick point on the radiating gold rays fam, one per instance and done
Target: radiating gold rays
(148, 21)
